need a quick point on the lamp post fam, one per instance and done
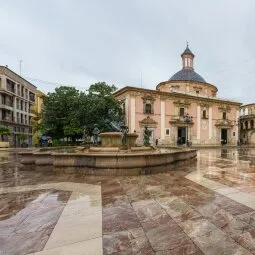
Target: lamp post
(188, 119)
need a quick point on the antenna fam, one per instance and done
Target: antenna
(20, 63)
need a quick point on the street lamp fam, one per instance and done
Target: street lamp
(188, 119)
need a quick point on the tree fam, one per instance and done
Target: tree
(4, 131)
(22, 138)
(102, 108)
(101, 88)
(60, 116)
(68, 111)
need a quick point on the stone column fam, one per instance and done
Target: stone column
(210, 122)
(198, 122)
(162, 119)
(132, 114)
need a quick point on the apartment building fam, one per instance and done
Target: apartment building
(17, 96)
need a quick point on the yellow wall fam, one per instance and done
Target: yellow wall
(37, 109)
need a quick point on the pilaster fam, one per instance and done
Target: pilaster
(162, 118)
(132, 113)
(198, 122)
(210, 122)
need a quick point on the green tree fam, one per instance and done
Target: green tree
(4, 130)
(101, 88)
(60, 115)
(22, 138)
(68, 111)
(102, 108)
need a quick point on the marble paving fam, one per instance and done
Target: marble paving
(207, 207)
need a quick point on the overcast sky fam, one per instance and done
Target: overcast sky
(79, 42)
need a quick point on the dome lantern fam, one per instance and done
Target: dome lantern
(187, 72)
(187, 58)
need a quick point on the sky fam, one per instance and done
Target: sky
(130, 43)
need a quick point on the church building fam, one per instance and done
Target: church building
(183, 109)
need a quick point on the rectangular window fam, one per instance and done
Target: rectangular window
(204, 114)
(224, 115)
(234, 134)
(167, 131)
(181, 111)
(148, 108)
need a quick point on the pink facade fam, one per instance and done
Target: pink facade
(183, 109)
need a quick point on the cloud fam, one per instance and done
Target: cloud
(81, 42)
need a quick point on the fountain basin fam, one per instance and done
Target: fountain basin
(114, 163)
(27, 157)
(43, 158)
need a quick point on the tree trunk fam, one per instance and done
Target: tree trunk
(73, 140)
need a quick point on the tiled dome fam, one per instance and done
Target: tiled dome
(187, 75)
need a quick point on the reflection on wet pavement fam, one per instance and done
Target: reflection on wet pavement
(205, 208)
(28, 218)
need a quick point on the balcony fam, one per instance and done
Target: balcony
(224, 123)
(8, 119)
(6, 106)
(181, 120)
(248, 116)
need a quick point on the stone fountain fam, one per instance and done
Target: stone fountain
(117, 155)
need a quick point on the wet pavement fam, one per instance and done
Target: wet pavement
(207, 207)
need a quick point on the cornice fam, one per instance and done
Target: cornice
(175, 95)
(196, 83)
